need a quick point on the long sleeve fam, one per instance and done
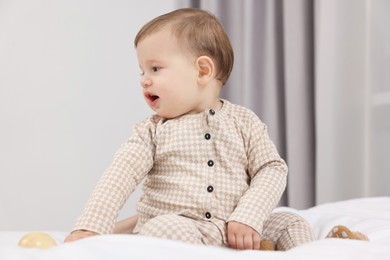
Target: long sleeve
(131, 163)
(268, 174)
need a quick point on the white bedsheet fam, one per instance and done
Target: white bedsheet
(368, 215)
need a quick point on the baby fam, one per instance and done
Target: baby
(211, 174)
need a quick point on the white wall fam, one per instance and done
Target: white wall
(69, 96)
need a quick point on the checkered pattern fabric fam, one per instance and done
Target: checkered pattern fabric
(287, 230)
(184, 229)
(210, 167)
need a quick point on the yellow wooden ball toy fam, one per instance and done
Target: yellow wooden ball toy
(37, 240)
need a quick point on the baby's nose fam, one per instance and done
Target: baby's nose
(146, 82)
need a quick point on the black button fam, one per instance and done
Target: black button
(208, 215)
(210, 188)
(212, 112)
(207, 136)
(210, 163)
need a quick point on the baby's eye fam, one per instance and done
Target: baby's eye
(142, 73)
(155, 69)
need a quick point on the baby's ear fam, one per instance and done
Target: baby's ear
(206, 69)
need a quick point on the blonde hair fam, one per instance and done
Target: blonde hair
(198, 30)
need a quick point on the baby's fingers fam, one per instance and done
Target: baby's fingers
(256, 241)
(232, 240)
(79, 234)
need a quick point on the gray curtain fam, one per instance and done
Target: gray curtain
(274, 76)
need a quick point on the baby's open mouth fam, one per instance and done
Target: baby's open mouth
(151, 97)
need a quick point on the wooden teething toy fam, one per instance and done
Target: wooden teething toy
(37, 240)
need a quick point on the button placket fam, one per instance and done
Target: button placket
(208, 125)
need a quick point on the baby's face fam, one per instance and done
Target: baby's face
(169, 76)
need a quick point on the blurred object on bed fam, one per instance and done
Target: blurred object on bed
(37, 240)
(346, 233)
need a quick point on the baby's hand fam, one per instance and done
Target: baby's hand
(79, 234)
(241, 236)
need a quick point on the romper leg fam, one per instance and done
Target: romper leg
(172, 227)
(287, 230)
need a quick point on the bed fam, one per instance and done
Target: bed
(368, 215)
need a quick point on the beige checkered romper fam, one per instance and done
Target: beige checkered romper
(200, 172)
